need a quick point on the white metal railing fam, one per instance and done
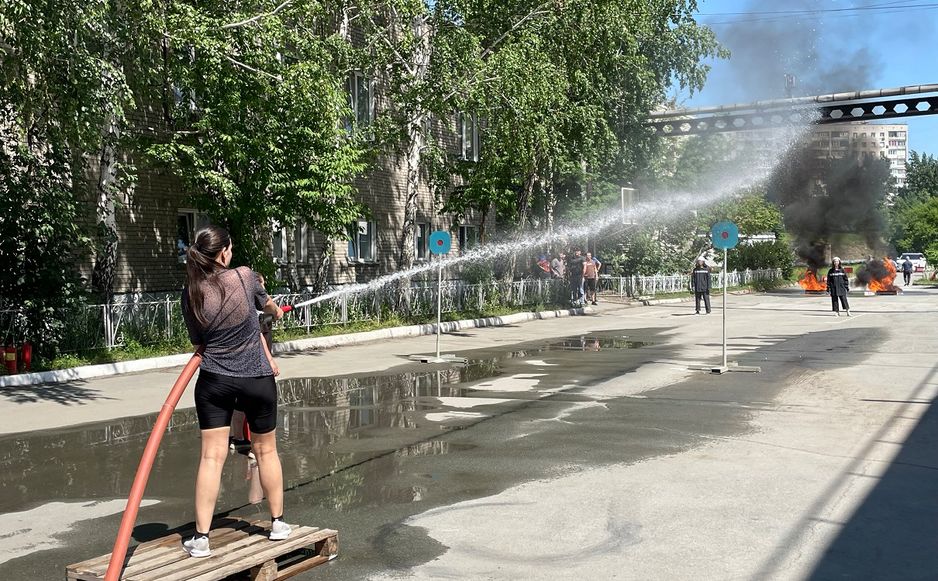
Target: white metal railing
(147, 322)
(155, 318)
(638, 286)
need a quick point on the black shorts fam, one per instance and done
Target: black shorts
(217, 396)
(591, 285)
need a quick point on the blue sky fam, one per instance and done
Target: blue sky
(830, 45)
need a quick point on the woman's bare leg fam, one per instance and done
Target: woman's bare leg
(271, 473)
(208, 481)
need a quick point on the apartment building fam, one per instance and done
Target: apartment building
(859, 139)
(864, 139)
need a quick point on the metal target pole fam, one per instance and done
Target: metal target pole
(726, 266)
(439, 303)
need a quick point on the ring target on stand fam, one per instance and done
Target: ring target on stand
(440, 242)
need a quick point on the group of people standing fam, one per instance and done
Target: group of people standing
(580, 271)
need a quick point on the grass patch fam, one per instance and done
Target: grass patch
(924, 282)
(128, 352)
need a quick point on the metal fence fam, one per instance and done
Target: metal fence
(157, 318)
(641, 286)
(150, 319)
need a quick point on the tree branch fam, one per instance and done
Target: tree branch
(258, 17)
(252, 69)
(390, 45)
(488, 51)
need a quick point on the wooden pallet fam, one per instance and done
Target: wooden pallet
(240, 550)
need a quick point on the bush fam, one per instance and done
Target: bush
(477, 273)
(763, 255)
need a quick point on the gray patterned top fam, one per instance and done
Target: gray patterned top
(232, 337)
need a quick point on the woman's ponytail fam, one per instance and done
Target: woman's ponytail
(201, 267)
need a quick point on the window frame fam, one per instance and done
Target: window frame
(467, 128)
(301, 243)
(353, 86)
(464, 229)
(276, 230)
(422, 242)
(353, 251)
(194, 221)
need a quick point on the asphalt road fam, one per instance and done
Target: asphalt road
(584, 446)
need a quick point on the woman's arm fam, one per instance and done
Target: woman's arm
(271, 308)
(270, 358)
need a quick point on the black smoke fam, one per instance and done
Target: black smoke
(823, 197)
(826, 52)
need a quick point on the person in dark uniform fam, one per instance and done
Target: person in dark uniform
(700, 281)
(838, 285)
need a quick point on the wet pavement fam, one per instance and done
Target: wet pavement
(379, 456)
(351, 447)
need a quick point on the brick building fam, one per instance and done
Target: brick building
(155, 223)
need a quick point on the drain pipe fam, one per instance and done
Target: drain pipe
(119, 552)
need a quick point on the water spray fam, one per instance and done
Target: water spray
(671, 206)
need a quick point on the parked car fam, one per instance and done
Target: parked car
(916, 258)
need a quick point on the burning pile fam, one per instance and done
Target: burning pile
(810, 283)
(878, 276)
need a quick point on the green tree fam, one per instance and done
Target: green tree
(775, 254)
(562, 129)
(749, 210)
(913, 224)
(921, 179)
(260, 102)
(918, 229)
(64, 94)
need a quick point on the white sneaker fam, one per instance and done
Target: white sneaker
(279, 530)
(848, 313)
(197, 547)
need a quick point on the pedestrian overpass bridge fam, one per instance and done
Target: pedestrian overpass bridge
(873, 105)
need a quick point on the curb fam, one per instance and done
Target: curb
(138, 365)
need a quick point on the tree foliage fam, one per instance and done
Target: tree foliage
(564, 98)
(775, 254)
(260, 110)
(248, 103)
(914, 216)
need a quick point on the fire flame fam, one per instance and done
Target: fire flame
(884, 284)
(810, 282)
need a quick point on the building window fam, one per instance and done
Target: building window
(188, 222)
(362, 241)
(468, 129)
(468, 237)
(360, 100)
(278, 244)
(301, 244)
(421, 246)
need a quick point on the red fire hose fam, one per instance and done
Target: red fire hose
(119, 553)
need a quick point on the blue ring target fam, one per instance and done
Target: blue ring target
(440, 242)
(725, 235)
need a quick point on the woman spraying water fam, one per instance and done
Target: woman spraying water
(237, 370)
